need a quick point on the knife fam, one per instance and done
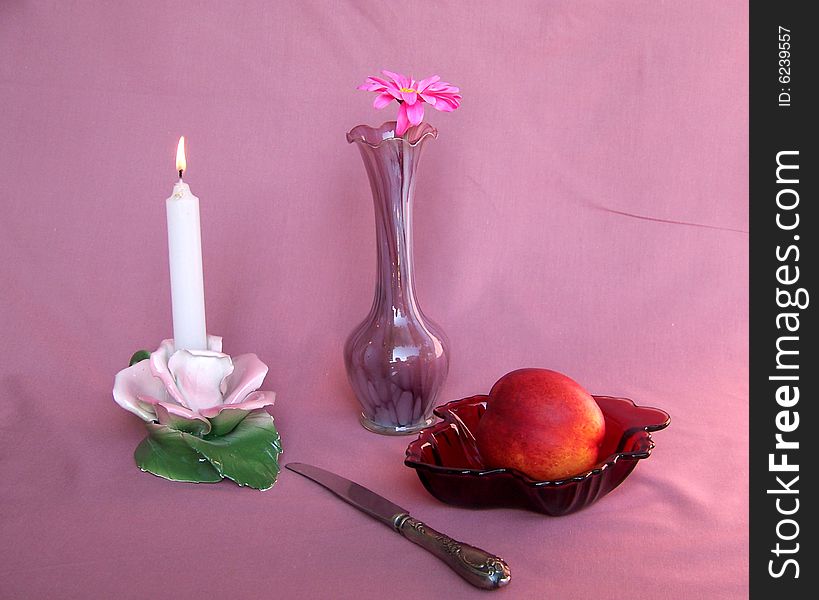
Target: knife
(476, 566)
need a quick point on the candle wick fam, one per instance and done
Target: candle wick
(180, 174)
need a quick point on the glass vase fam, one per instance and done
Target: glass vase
(397, 358)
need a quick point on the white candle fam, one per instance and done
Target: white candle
(185, 259)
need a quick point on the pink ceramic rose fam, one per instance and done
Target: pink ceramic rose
(197, 391)
(205, 416)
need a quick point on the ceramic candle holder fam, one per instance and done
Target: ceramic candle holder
(205, 417)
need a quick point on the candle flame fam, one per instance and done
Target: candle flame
(181, 163)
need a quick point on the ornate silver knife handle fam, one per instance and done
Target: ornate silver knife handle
(476, 566)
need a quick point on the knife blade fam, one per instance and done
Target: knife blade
(476, 566)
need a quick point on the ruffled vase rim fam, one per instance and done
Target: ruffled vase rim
(374, 137)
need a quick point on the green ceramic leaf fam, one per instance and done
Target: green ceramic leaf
(138, 356)
(165, 453)
(225, 422)
(249, 455)
(195, 426)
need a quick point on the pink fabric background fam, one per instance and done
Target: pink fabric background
(585, 210)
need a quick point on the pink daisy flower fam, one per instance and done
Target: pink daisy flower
(411, 96)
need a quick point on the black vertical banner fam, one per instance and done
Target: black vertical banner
(784, 228)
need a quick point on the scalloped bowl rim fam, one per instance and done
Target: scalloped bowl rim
(412, 459)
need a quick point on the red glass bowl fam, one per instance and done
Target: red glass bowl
(449, 465)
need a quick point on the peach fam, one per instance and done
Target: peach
(541, 423)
